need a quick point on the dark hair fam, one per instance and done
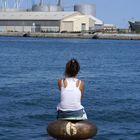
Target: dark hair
(72, 68)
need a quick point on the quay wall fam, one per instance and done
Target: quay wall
(116, 36)
(48, 35)
(110, 36)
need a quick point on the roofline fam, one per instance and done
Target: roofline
(74, 14)
(15, 15)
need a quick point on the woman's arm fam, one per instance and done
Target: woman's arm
(82, 87)
(59, 84)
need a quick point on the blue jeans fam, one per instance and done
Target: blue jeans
(72, 115)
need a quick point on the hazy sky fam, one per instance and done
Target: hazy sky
(116, 12)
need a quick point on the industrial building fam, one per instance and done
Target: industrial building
(48, 18)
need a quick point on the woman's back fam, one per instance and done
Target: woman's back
(70, 95)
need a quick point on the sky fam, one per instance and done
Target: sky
(117, 12)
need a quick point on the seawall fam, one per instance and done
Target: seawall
(110, 36)
(48, 35)
(116, 36)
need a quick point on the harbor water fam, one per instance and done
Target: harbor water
(30, 67)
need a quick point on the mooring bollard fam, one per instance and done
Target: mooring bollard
(72, 130)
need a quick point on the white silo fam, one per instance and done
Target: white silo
(57, 7)
(86, 9)
(41, 7)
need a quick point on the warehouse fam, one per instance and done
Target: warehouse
(43, 22)
(75, 23)
(32, 21)
(48, 18)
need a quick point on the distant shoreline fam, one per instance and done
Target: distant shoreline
(111, 36)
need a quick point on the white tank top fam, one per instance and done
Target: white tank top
(70, 98)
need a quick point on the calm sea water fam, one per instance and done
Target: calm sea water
(30, 67)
